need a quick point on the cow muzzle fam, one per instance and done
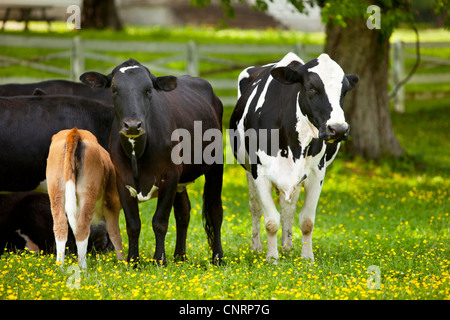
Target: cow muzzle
(132, 128)
(335, 132)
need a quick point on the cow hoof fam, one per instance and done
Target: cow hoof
(257, 245)
(180, 257)
(272, 257)
(218, 260)
(272, 260)
(308, 257)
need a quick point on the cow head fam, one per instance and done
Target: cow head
(323, 86)
(134, 91)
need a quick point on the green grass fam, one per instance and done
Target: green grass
(392, 215)
(368, 215)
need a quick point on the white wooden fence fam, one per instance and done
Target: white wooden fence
(224, 56)
(398, 68)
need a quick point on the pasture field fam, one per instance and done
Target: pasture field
(382, 232)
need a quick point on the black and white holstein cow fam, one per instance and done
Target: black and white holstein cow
(293, 112)
(148, 110)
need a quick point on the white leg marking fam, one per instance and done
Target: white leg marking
(60, 251)
(82, 248)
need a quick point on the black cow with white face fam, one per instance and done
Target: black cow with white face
(286, 129)
(148, 110)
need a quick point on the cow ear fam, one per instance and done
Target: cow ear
(286, 75)
(352, 80)
(95, 80)
(166, 83)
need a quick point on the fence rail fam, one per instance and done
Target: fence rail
(224, 57)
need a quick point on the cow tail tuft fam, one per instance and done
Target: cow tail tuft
(73, 137)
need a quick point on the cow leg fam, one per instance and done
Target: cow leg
(256, 211)
(132, 219)
(83, 227)
(212, 210)
(181, 208)
(313, 187)
(160, 221)
(60, 225)
(112, 211)
(287, 212)
(271, 215)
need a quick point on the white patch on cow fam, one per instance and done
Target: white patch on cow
(305, 129)
(262, 97)
(286, 173)
(123, 69)
(331, 75)
(29, 244)
(132, 142)
(243, 75)
(241, 153)
(141, 198)
(287, 59)
(133, 192)
(70, 205)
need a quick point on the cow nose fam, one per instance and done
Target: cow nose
(338, 131)
(132, 128)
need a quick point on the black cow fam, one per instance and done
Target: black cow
(149, 110)
(27, 125)
(26, 221)
(286, 128)
(58, 87)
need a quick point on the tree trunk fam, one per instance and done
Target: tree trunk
(100, 14)
(365, 52)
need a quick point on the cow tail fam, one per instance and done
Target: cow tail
(73, 137)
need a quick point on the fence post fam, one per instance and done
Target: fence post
(77, 61)
(398, 66)
(299, 50)
(192, 59)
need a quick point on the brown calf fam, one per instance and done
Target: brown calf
(82, 183)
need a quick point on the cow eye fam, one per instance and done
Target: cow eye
(312, 92)
(114, 91)
(148, 92)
